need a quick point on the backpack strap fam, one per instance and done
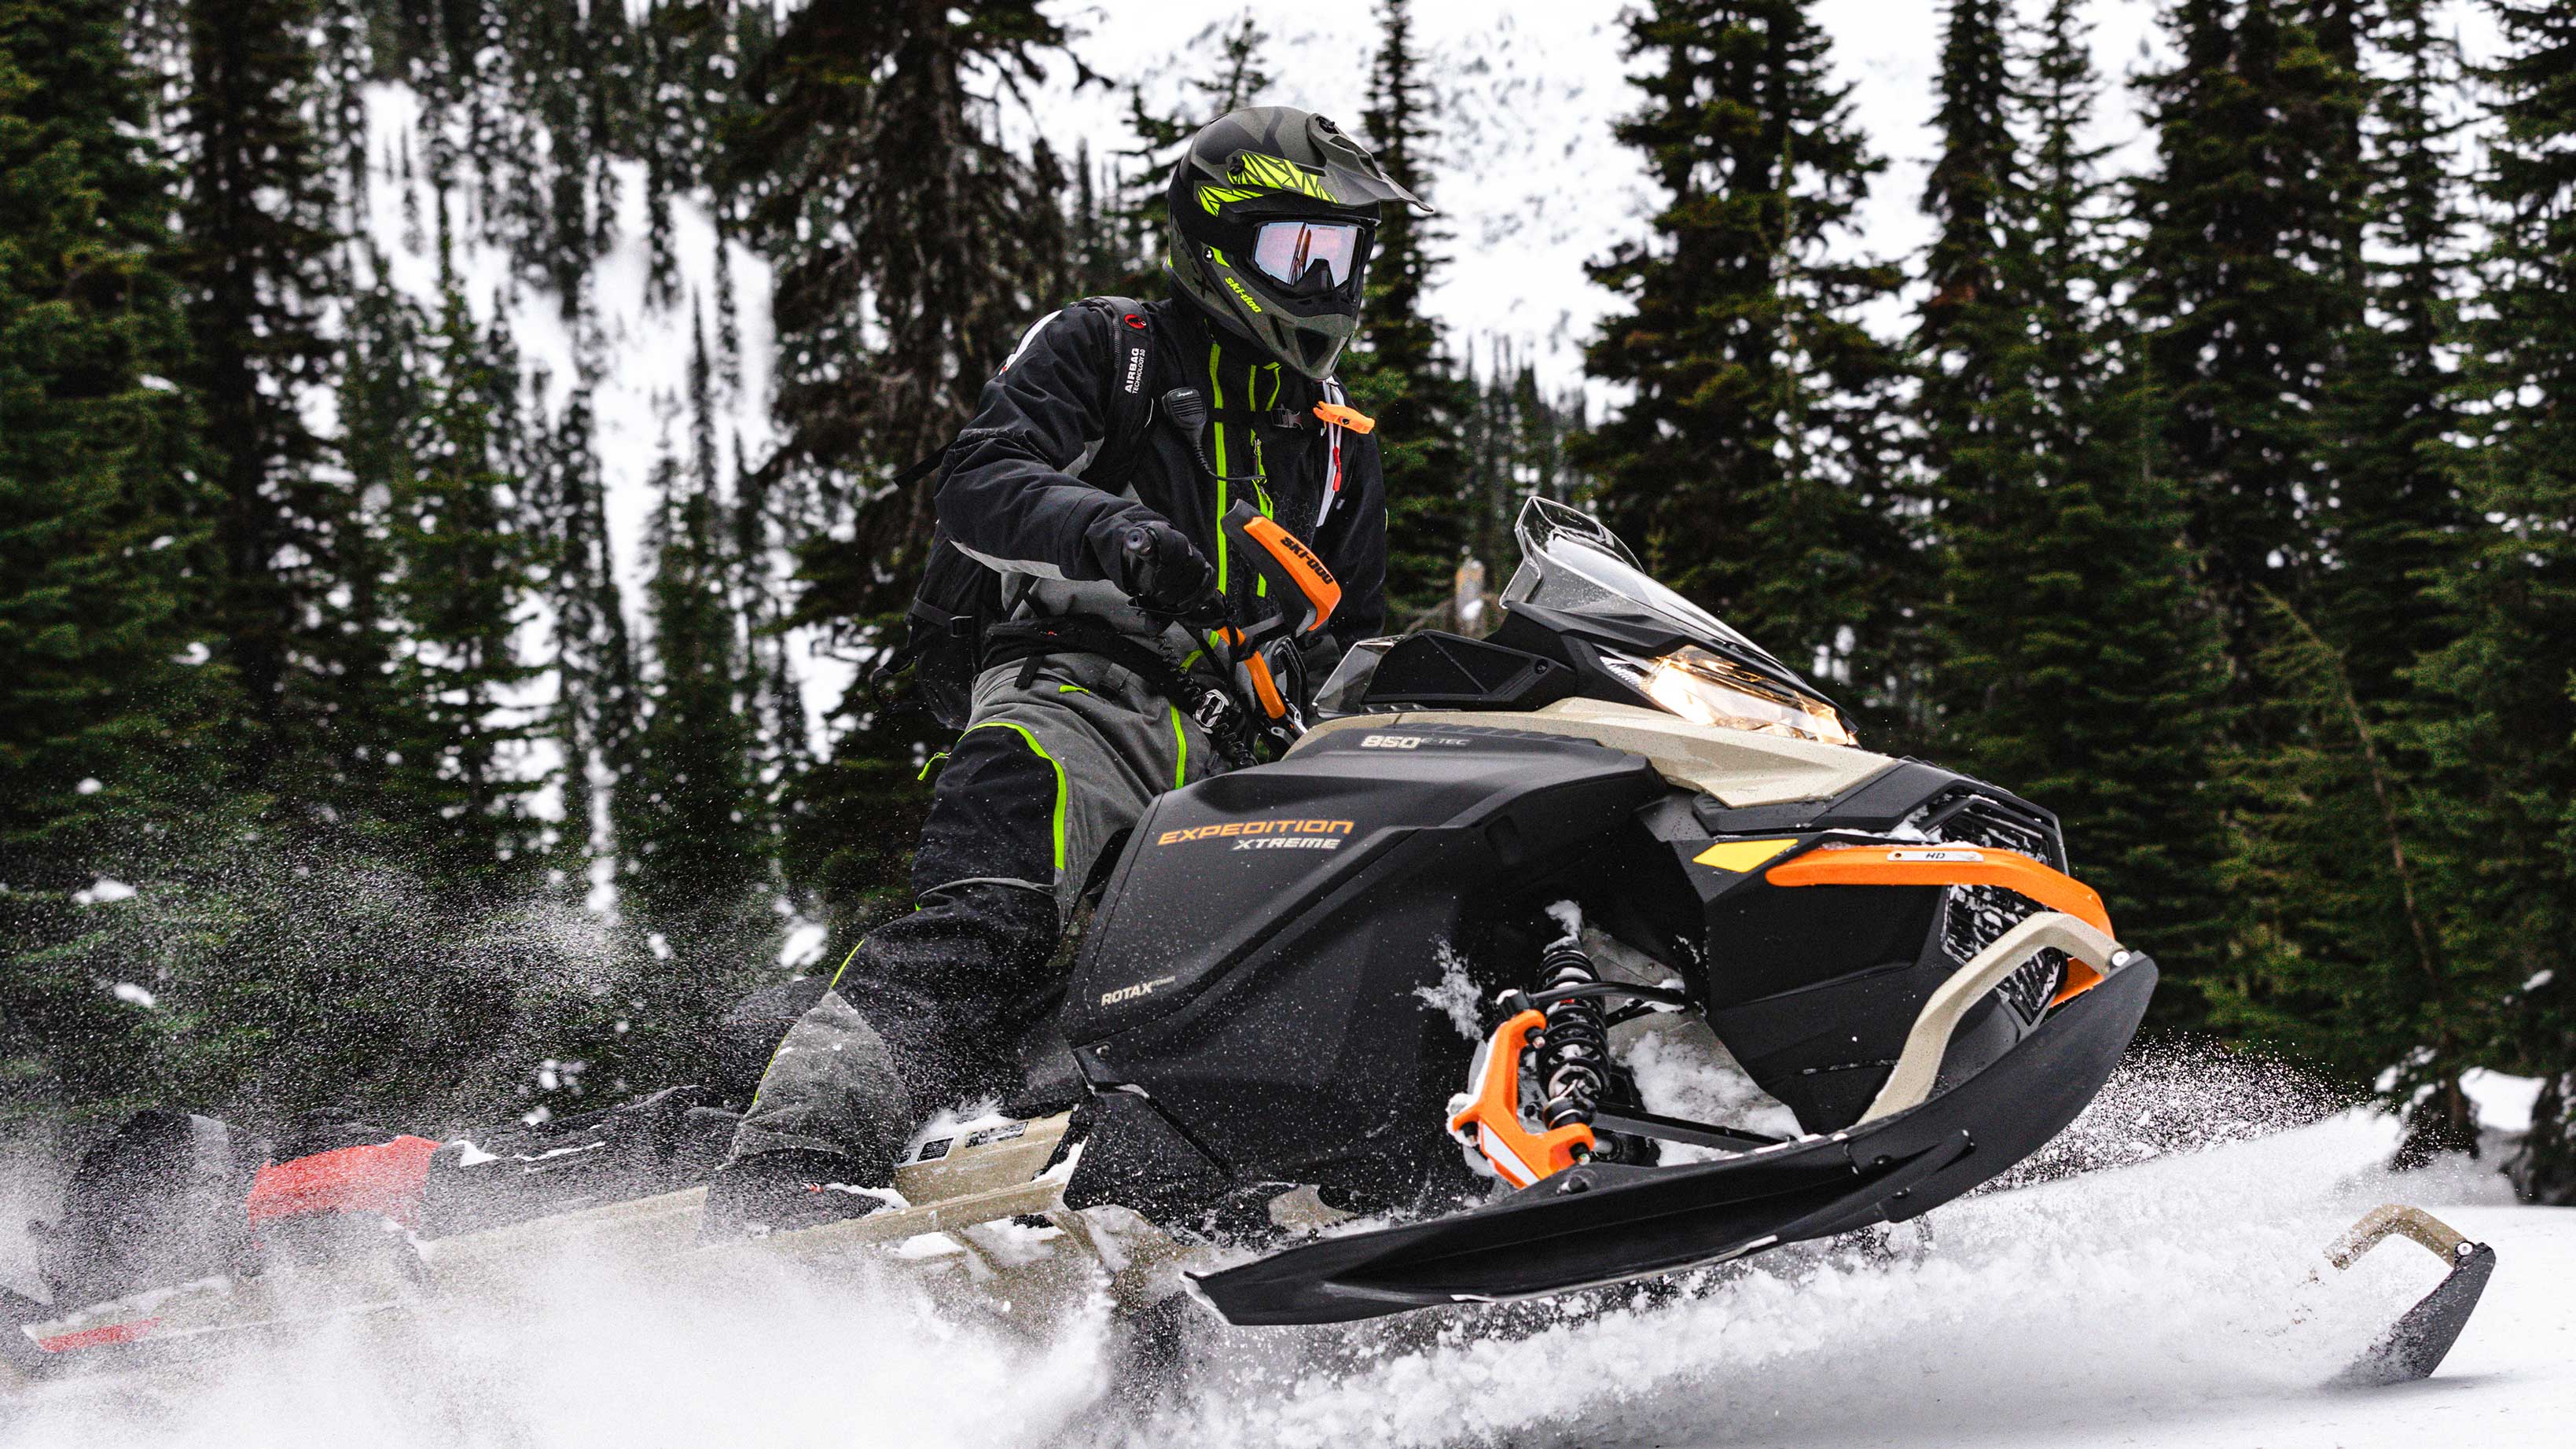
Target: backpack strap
(1131, 391)
(1339, 418)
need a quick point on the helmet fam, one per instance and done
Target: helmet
(1273, 211)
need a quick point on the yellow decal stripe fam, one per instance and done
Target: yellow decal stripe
(1740, 856)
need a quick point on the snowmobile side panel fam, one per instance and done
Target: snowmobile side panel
(1738, 767)
(1602, 1224)
(1257, 965)
(1134, 1157)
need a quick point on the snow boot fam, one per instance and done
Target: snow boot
(820, 1141)
(788, 1191)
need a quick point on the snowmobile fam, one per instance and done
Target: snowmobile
(1342, 1038)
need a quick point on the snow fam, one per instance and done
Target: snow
(2184, 1300)
(804, 944)
(2504, 1103)
(2169, 1301)
(103, 891)
(1455, 995)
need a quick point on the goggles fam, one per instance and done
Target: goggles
(1290, 252)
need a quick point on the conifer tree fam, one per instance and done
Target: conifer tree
(1236, 79)
(255, 219)
(2499, 716)
(2346, 960)
(689, 815)
(1400, 373)
(1754, 465)
(383, 392)
(909, 243)
(109, 708)
(462, 559)
(2092, 690)
(594, 658)
(1983, 373)
(2395, 518)
(1970, 197)
(1515, 442)
(2247, 288)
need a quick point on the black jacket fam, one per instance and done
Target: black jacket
(1037, 485)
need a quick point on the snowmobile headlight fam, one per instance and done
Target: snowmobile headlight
(1706, 689)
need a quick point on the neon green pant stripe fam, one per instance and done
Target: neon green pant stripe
(1181, 749)
(1216, 387)
(835, 983)
(1040, 751)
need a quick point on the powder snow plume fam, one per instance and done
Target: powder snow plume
(2167, 1289)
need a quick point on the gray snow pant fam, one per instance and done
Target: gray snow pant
(928, 1011)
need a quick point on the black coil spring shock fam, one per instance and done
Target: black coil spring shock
(1574, 1054)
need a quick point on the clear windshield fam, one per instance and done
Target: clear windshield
(1569, 561)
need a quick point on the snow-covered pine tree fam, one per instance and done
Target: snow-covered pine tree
(1755, 464)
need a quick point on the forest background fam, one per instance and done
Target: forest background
(2222, 499)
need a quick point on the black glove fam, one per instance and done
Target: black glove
(1162, 570)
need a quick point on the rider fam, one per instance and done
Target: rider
(1090, 484)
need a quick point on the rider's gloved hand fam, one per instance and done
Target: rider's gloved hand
(1161, 569)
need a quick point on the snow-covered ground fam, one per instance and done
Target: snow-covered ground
(2183, 1301)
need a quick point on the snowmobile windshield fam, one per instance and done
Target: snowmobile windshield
(1570, 562)
(1574, 565)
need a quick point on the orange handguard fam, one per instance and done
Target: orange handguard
(1300, 566)
(1491, 1120)
(1946, 865)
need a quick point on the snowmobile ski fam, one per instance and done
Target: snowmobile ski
(2415, 1345)
(1601, 1223)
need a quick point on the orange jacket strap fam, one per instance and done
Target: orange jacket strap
(1265, 688)
(1342, 416)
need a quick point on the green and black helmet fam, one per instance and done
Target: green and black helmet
(1273, 214)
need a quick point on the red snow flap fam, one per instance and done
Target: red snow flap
(98, 1337)
(384, 1178)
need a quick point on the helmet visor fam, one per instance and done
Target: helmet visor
(1308, 258)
